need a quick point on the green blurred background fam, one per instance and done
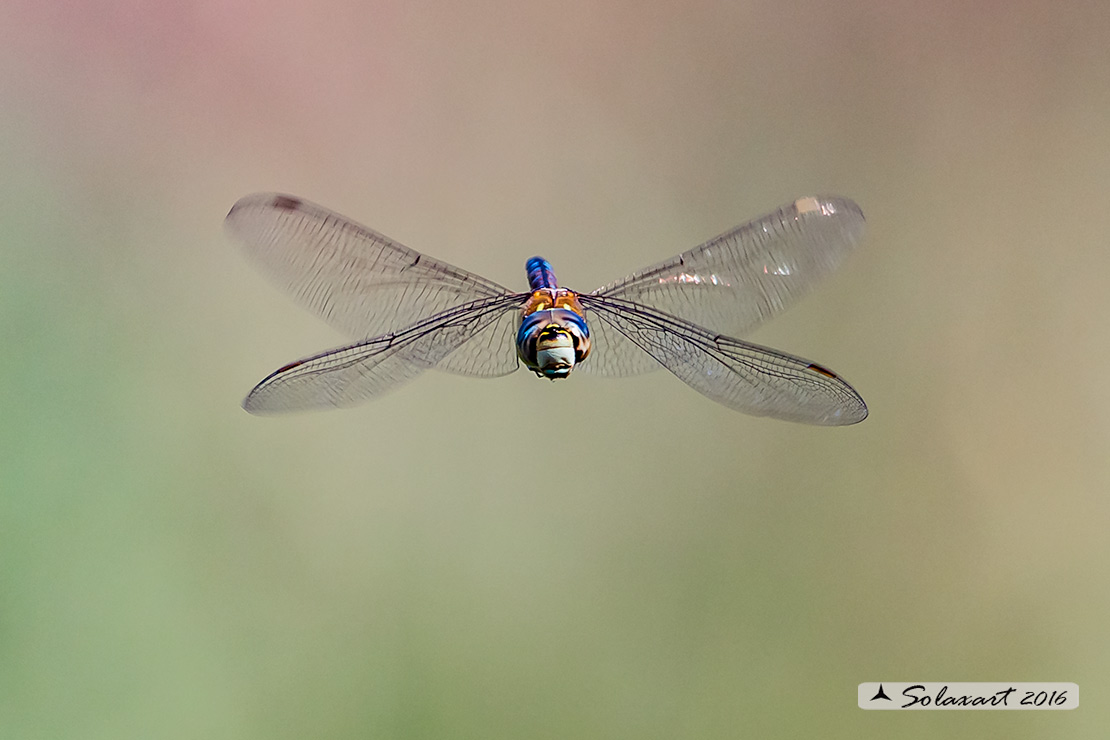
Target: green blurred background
(521, 559)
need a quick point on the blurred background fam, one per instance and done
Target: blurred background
(522, 559)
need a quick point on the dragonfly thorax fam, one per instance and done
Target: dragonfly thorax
(553, 335)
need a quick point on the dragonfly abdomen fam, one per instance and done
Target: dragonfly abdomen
(540, 274)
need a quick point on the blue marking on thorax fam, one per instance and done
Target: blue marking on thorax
(540, 274)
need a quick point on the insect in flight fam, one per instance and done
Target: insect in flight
(410, 312)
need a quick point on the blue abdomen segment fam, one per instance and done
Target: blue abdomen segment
(540, 274)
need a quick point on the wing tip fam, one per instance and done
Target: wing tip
(840, 213)
(828, 205)
(250, 406)
(849, 414)
(254, 406)
(846, 415)
(856, 416)
(257, 406)
(277, 201)
(842, 416)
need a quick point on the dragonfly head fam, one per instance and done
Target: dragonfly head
(552, 342)
(555, 352)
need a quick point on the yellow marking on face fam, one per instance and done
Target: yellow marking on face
(553, 336)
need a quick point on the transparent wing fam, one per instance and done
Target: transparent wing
(491, 352)
(348, 375)
(742, 376)
(746, 275)
(359, 281)
(613, 355)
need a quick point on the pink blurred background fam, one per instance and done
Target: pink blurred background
(517, 559)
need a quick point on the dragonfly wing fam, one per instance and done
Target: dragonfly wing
(742, 376)
(743, 277)
(491, 352)
(613, 355)
(361, 282)
(348, 375)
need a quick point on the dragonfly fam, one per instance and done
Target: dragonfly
(410, 312)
